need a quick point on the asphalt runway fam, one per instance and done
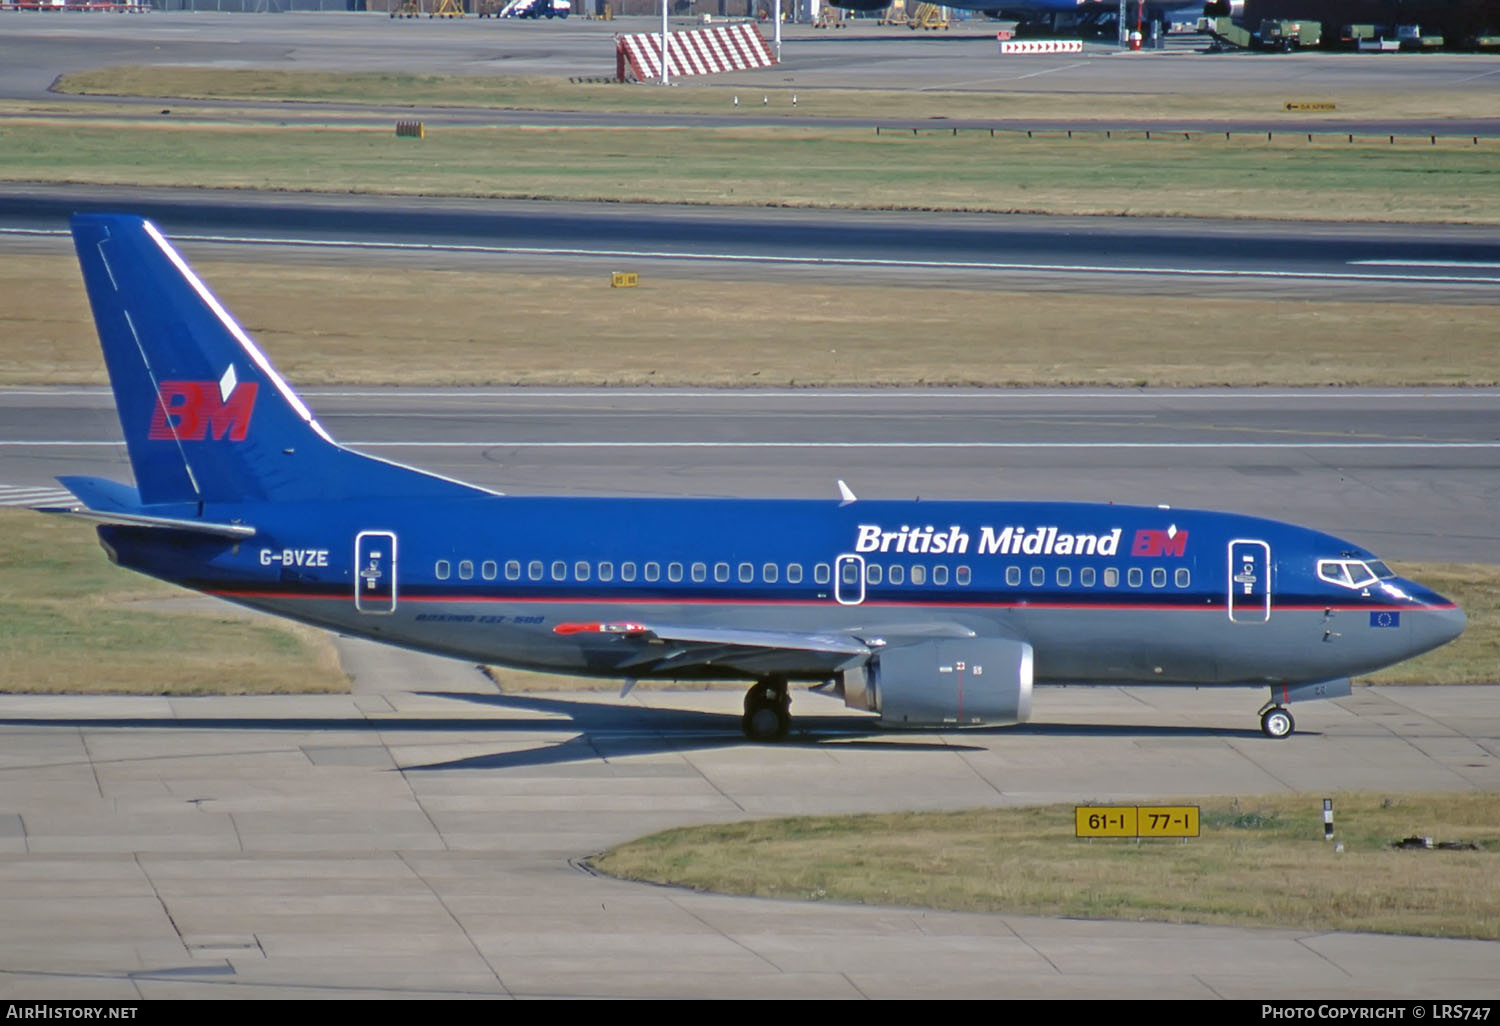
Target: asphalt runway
(1167, 256)
(1411, 474)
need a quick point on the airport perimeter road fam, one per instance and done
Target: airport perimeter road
(1166, 255)
(1414, 475)
(398, 843)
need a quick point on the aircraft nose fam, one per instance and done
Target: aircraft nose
(1437, 625)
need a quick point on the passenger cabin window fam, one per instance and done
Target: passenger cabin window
(489, 570)
(821, 574)
(963, 576)
(512, 569)
(442, 570)
(1184, 577)
(606, 571)
(1134, 577)
(1158, 578)
(534, 569)
(1013, 576)
(1064, 577)
(897, 575)
(919, 575)
(1111, 577)
(794, 573)
(466, 570)
(768, 573)
(653, 572)
(700, 572)
(939, 575)
(872, 573)
(581, 570)
(721, 572)
(1038, 577)
(1086, 577)
(850, 573)
(627, 572)
(674, 572)
(559, 570)
(747, 573)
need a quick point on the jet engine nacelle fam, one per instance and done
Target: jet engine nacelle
(946, 682)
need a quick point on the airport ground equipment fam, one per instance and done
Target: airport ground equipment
(929, 17)
(705, 51)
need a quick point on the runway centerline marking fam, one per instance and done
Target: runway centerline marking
(920, 445)
(668, 444)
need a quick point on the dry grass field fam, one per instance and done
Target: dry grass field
(1259, 862)
(360, 324)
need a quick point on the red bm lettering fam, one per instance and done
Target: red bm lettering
(191, 411)
(1150, 542)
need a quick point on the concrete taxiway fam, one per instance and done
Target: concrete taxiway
(421, 838)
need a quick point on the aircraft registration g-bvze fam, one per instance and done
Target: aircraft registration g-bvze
(929, 614)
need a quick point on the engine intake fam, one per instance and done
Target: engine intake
(946, 682)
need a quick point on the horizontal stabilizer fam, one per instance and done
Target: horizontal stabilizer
(109, 502)
(141, 520)
(101, 495)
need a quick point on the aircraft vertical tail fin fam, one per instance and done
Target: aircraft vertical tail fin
(206, 416)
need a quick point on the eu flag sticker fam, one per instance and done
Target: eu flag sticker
(1385, 619)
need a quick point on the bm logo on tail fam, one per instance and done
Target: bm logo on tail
(194, 411)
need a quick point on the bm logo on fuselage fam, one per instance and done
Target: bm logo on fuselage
(195, 411)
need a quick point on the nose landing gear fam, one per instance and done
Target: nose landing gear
(1276, 721)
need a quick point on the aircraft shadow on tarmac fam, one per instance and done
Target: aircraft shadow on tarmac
(596, 731)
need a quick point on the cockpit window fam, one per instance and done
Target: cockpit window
(1352, 573)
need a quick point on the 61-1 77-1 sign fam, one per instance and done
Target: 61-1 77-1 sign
(1135, 820)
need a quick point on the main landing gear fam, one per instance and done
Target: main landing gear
(767, 710)
(1276, 721)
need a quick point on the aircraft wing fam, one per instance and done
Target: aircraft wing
(673, 648)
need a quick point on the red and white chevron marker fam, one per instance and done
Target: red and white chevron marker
(1041, 46)
(693, 52)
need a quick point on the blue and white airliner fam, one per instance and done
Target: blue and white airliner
(930, 614)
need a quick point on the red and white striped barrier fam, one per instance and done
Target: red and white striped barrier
(1041, 46)
(693, 52)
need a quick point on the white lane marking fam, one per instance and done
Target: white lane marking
(825, 261)
(944, 265)
(518, 444)
(999, 395)
(1483, 264)
(922, 445)
(15, 495)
